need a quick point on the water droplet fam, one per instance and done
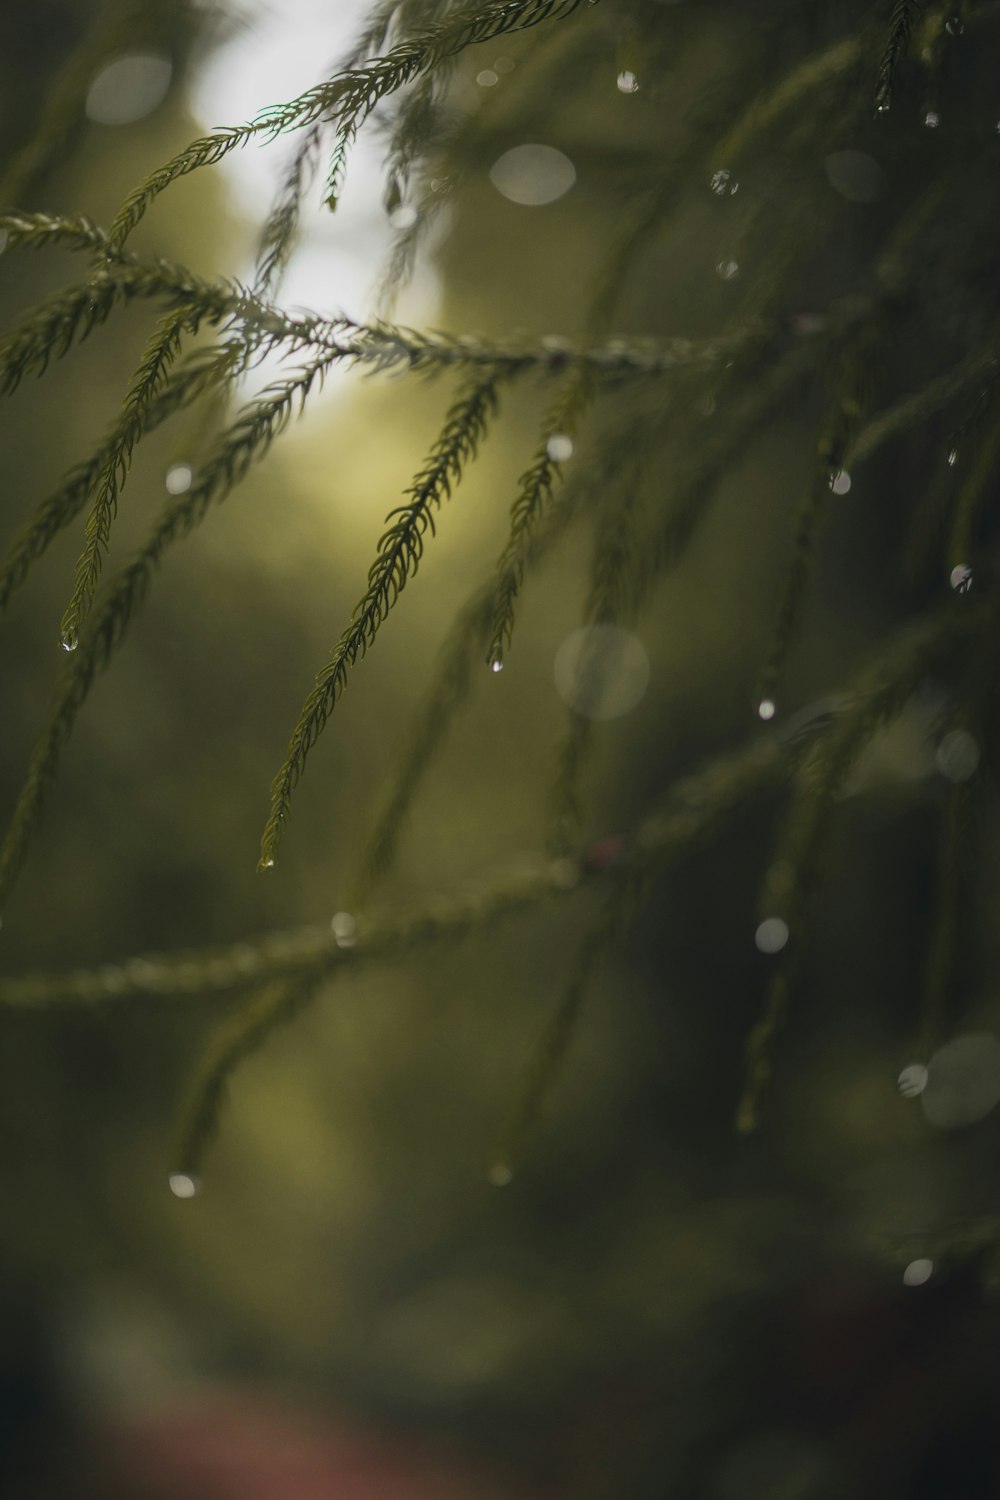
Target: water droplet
(500, 1174)
(268, 863)
(487, 78)
(178, 479)
(766, 708)
(559, 447)
(533, 174)
(727, 269)
(70, 638)
(723, 183)
(882, 108)
(495, 664)
(772, 935)
(345, 929)
(627, 83)
(961, 578)
(840, 481)
(183, 1185)
(954, 26)
(932, 119)
(953, 458)
(957, 756)
(917, 1272)
(912, 1080)
(403, 217)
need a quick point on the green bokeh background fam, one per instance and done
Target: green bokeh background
(653, 1307)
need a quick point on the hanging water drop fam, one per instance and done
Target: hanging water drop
(912, 1080)
(627, 83)
(723, 183)
(954, 26)
(178, 479)
(728, 269)
(917, 1272)
(268, 863)
(495, 664)
(840, 481)
(772, 935)
(765, 708)
(932, 119)
(961, 578)
(559, 447)
(953, 458)
(70, 638)
(345, 929)
(183, 1185)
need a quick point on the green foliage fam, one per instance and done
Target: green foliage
(759, 365)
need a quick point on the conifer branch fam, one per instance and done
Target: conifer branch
(50, 330)
(153, 370)
(400, 549)
(614, 564)
(380, 345)
(789, 890)
(797, 90)
(982, 477)
(277, 238)
(533, 498)
(457, 665)
(231, 1043)
(448, 690)
(695, 810)
(246, 441)
(896, 42)
(851, 383)
(280, 229)
(348, 98)
(692, 810)
(201, 373)
(980, 367)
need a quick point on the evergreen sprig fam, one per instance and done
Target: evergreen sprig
(348, 98)
(153, 370)
(400, 549)
(900, 28)
(790, 886)
(401, 67)
(244, 442)
(533, 497)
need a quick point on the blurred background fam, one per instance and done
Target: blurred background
(652, 1305)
